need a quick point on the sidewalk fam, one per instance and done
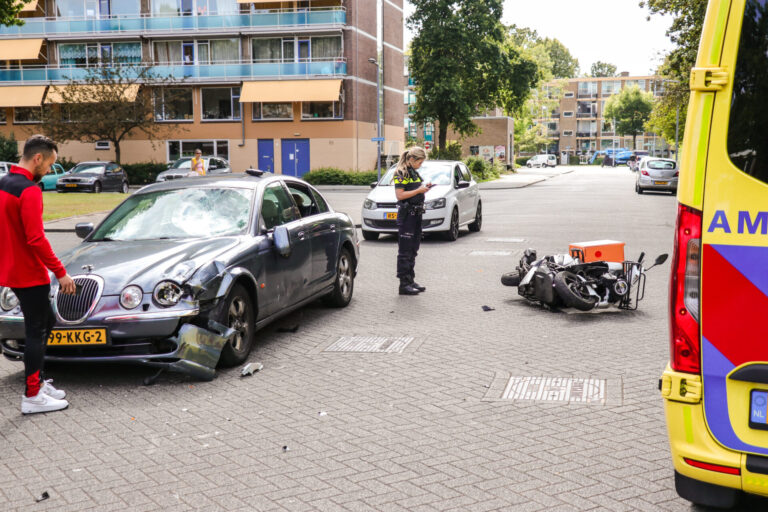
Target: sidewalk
(524, 178)
(67, 224)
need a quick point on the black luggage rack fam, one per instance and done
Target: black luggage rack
(627, 301)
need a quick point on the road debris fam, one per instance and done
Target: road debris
(488, 308)
(250, 369)
(42, 497)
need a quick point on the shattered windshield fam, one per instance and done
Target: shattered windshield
(181, 213)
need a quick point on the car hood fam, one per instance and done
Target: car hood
(145, 262)
(386, 194)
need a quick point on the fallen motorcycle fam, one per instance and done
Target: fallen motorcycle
(566, 280)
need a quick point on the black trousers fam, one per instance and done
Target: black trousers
(408, 242)
(38, 322)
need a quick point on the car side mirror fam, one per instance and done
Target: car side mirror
(463, 184)
(83, 229)
(373, 184)
(282, 241)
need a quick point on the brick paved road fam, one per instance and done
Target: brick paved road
(412, 431)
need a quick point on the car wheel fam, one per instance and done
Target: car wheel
(124, 188)
(638, 189)
(97, 187)
(370, 235)
(238, 314)
(345, 281)
(475, 226)
(453, 231)
(573, 291)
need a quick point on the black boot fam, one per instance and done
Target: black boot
(406, 288)
(418, 286)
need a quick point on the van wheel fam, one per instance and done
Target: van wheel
(706, 494)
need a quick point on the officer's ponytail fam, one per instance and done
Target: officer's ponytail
(416, 153)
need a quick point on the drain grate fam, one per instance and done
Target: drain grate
(490, 253)
(380, 344)
(506, 240)
(555, 389)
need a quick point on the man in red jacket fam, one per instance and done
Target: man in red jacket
(25, 260)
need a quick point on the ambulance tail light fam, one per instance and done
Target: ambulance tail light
(685, 345)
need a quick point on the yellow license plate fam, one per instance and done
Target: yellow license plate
(659, 182)
(392, 216)
(70, 185)
(74, 337)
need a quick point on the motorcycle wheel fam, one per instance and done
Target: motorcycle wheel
(573, 292)
(511, 278)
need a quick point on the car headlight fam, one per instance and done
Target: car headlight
(131, 297)
(435, 204)
(369, 205)
(167, 293)
(8, 299)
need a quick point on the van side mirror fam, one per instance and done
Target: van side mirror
(282, 241)
(83, 229)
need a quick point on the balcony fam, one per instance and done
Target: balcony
(587, 115)
(587, 94)
(234, 71)
(553, 135)
(586, 135)
(270, 21)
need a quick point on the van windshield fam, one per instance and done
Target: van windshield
(748, 129)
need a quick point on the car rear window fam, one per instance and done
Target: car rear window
(661, 165)
(748, 129)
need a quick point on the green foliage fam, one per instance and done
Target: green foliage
(452, 151)
(9, 11)
(143, 173)
(631, 109)
(413, 141)
(9, 149)
(573, 160)
(564, 65)
(602, 69)
(482, 169)
(490, 72)
(599, 160)
(66, 163)
(335, 176)
(522, 160)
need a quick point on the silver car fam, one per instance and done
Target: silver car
(182, 168)
(453, 202)
(657, 174)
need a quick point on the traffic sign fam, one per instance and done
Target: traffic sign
(377, 139)
(428, 145)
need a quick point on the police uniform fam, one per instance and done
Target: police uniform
(409, 212)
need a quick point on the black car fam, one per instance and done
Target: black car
(182, 273)
(94, 177)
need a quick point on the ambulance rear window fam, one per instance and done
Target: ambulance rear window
(748, 127)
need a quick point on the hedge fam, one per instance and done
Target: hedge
(452, 151)
(522, 160)
(143, 173)
(482, 169)
(335, 176)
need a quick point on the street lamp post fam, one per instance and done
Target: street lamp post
(545, 125)
(378, 119)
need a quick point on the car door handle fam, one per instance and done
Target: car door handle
(333, 227)
(300, 234)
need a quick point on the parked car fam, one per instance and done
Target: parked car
(659, 174)
(5, 167)
(182, 274)
(182, 168)
(453, 202)
(49, 180)
(94, 177)
(542, 161)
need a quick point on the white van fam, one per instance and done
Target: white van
(542, 161)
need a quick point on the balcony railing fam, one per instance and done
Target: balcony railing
(255, 22)
(586, 134)
(585, 114)
(588, 94)
(553, 135)
(191, 73)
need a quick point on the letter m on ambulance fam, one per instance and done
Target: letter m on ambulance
(715, 387)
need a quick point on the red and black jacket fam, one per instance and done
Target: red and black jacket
(25, 252)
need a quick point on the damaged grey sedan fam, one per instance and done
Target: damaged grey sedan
(182, 274)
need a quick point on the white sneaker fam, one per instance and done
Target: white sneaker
(41, 403)
(51, 391)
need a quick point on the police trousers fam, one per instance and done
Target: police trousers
(408, 242)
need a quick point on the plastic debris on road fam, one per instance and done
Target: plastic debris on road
(488, 308)
(42, 497)
(250, 369)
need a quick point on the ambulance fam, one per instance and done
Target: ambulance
(715, 387)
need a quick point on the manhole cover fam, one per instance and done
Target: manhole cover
(564, 390)
(386, 344)
(490, 253)
(506, 240)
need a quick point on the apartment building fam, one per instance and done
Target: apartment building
(283, 86)
(578, 127)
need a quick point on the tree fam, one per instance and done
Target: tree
(554, 59)
(631, 109)
(685, 33)
(9, 149)
(564, 65)
(602, 69)
(461, 64)
(9, 12)
(102, 106)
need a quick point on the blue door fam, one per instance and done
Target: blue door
(295, 157)
(267, 155)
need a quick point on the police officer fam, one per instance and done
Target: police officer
(410, 190)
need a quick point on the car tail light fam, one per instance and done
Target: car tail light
(677, 174)
(684, 292)
(644, 173)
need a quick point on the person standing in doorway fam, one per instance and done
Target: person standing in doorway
(198, 164)
(25, 260)
(410, 190)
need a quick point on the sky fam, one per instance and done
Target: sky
(613, 31)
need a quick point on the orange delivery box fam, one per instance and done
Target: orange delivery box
(598, 250)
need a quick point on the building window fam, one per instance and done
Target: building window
(568, 114)
(181, 148)
(567, 133)
(193, 7)
(99, 54)
(97, 9)
(272, 111)
(26, 115)
(294, 49)
(429, 131)
(221, 104)
(173, 104)
(474, 150)
(587, 89)
(413, 129)
(568, 94)
(611, 87)
(196, 52)
(322, 110)
(3, 119)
